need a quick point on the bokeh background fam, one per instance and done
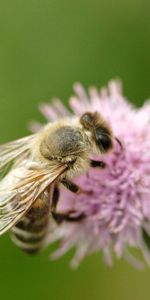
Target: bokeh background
(46, 46)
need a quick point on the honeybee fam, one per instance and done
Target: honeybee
(49, 158)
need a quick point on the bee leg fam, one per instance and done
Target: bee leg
(71, 186)
(55, 198)
(71, 216)
(74, 188)
(97, 164)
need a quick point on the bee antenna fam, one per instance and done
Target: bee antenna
(119, 142)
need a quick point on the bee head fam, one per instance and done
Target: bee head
(100, 131)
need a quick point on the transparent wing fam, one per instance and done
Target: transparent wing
(20, 189)
(12, 150)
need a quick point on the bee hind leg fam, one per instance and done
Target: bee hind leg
(70, 216)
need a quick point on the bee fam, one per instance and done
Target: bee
(40, 163)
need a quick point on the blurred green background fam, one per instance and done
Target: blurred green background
(46, 46)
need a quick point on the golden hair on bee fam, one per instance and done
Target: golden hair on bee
(71, 140)
(41, 162)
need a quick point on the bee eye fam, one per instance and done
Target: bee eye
(104, 142)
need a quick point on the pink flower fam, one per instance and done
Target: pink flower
(117, 208)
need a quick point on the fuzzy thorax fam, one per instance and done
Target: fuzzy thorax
(64, 142)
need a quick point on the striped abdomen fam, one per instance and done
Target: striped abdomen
(31, 231)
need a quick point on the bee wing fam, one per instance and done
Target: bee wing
(11, 150)
(18, 197)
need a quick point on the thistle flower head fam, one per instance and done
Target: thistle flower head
(116, 200)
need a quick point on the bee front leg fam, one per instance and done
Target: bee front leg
(74, 188)
(97, 164)
(71, 186)
(71, 216)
